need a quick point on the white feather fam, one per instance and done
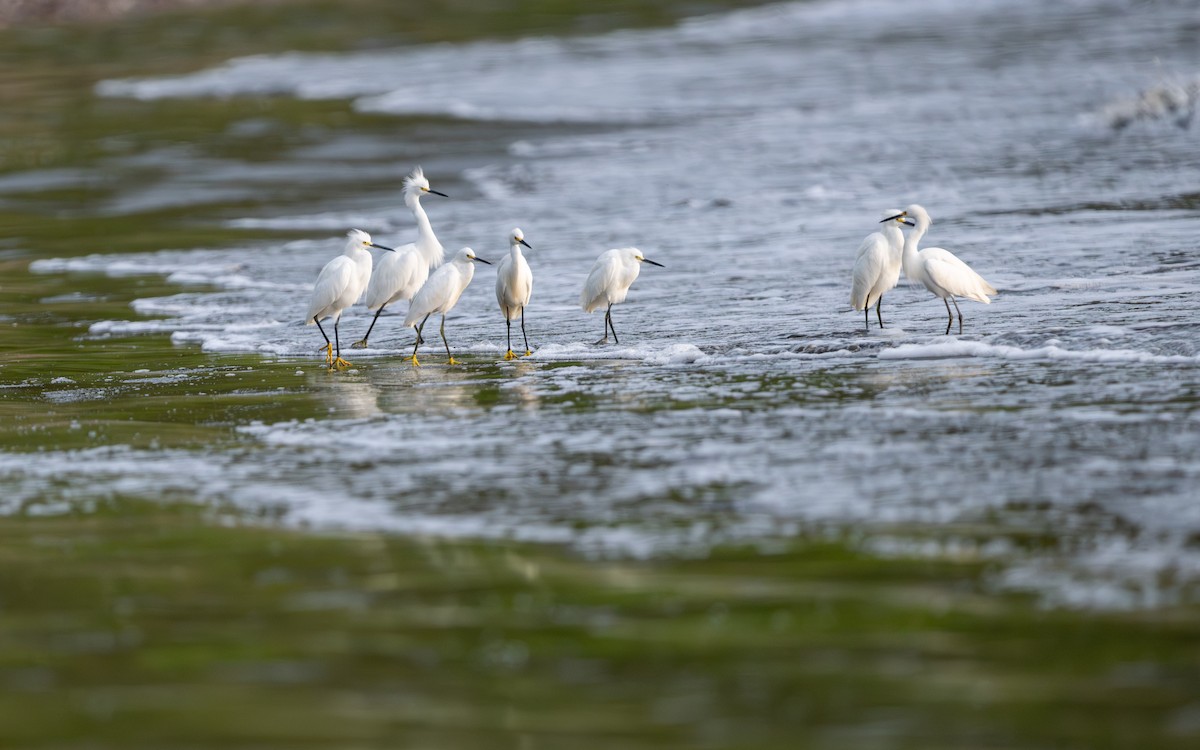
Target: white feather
(400, 274)
(445, 285)
(610, 278)
(342, 280)
(877, 264)
(514, 279)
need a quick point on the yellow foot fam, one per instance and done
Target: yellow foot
(341, 364)
(452, 361)
(328, 354)
(509, 355)
(359, 344)
(528, 353)
(413, 359)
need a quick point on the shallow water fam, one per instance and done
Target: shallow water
(749, 152)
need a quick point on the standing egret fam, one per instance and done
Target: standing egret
(439, 294)
(609, 282)
(877, 265)
(339, 285)
(399, 276)
(514, 284)
(940, 270)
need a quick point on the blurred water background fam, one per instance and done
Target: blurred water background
(788, 530)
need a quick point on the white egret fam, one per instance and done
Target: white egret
(940, 270)
(400, 275)
(339, 285)
(439, 295)
(877, 265)
(609, 282)
(514, 284)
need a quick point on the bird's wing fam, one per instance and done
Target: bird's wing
(868, 267)
(522, 286)
(433, 295)
(502, 281)
(332, 282)
(869, 242)
(601, 278)
(393, 277)
(946, 270)
(514, 284)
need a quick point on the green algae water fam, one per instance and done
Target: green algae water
(751, 524)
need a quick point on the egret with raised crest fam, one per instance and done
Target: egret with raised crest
(400, 275)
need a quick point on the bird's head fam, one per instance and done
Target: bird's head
(467, 255)
(359, 238)
(637, 255)
(416, 185)
(917, 213)
(896, 216)
(518, 238)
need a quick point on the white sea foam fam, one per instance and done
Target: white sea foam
(962, 348)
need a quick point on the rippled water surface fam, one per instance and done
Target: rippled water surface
(750, 153)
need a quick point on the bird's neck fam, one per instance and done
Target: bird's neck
(427, 242)
(894, 237)
(910, 248)
(514, 250)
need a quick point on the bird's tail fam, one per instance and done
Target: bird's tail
(985, 289)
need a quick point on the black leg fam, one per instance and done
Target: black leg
(449, 356)
(608, 317)
(528, 351)
(322, 330)
(328, 344)
(959, 315)
(363, 344)
(951, 321)
(337, 341)
(879, 310)
(417, 344)
(867, 316)
(508, 327)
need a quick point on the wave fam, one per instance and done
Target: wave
(956, 348)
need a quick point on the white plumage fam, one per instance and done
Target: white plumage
(940, 270)
(440, 294)
(514, 285)
(339, 285)
(608, 282)
(877, 265)
(398, 276)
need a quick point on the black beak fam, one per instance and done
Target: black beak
(437, 193)
(526, 244)
(893, 218)
(381, 247)
(909, 223)
(647, 260)
(481, 260)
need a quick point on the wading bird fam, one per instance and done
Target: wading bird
(439, 295)
(877, 265)
(609, 281)
(339, 285)
(400, 275)
(514, 284)
(940, 270)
